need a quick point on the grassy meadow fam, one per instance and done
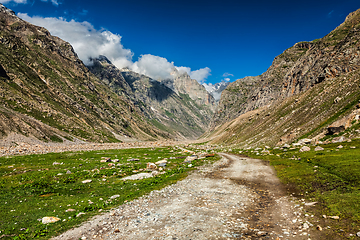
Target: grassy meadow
(50, 185)
(330, 177)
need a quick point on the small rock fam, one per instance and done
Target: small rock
(304, 149)
(151, 166)
(358, 234)
(87, 181)
(117, 230)
(318, 227)
(56, 163)
(338, 139)
(190, 165)
(70, 210)
(318, 148)
(68, 172)
(161, 162)
(305, 225)
(340, 146)
(310, 203)
(334, 217)
(46, 220)
(79, 214)
(114, 196)
(133, 160)
(155, 173)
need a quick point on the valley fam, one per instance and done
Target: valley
(111, 153)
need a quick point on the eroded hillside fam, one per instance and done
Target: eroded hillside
(48, 93)
(309, 87)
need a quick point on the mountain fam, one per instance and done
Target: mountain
(216, 89)
(179, 106)
(47, 93)
(308, 88)
(181, 83)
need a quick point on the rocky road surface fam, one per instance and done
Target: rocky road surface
(235, 198)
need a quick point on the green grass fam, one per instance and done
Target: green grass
(330, 177)
(32, 187)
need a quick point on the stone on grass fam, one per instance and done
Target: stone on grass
(340, 146)
(79, 214)
(161, 162)
(138, 176)
(318, 148)
(334, 217)
(304, 149)
(46, 220)
(70, 210)
(310, 203)
(151, 166)
(133, 160)
(190, 158)
(338, 139)
(114, 196)
(358, 234)
(87, 181)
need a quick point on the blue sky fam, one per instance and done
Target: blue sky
(221, 39)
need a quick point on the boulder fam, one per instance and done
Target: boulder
(87, 181)
(304, 149)
(190, 158)
(161, 162)
(338, 139)
(46, 220)
(151, 166)
(318, 148)
(305, 141)
(138, 176)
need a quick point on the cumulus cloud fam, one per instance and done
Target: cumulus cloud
(91, 43)
(153, 66)
(201, 74)
(86, 40)
(226, 79)
(15, 1)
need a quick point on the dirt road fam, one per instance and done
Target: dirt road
(236, 198)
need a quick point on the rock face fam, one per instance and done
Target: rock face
(250, 93)
(47, 93)
(181, 106)
(309, 87)
(182, 84)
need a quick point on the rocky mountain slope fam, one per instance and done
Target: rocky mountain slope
(216, 89)
(47, 92)
(308, 88)
(183, 84)
(183, 110)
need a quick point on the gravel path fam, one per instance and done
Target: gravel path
(235, 198)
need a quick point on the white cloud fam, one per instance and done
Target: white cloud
(153, 66)
(16, 1)
(226, 79)
(201, 74)
(184, 70)
(228, 74)
(86, 40)
(90, 43)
